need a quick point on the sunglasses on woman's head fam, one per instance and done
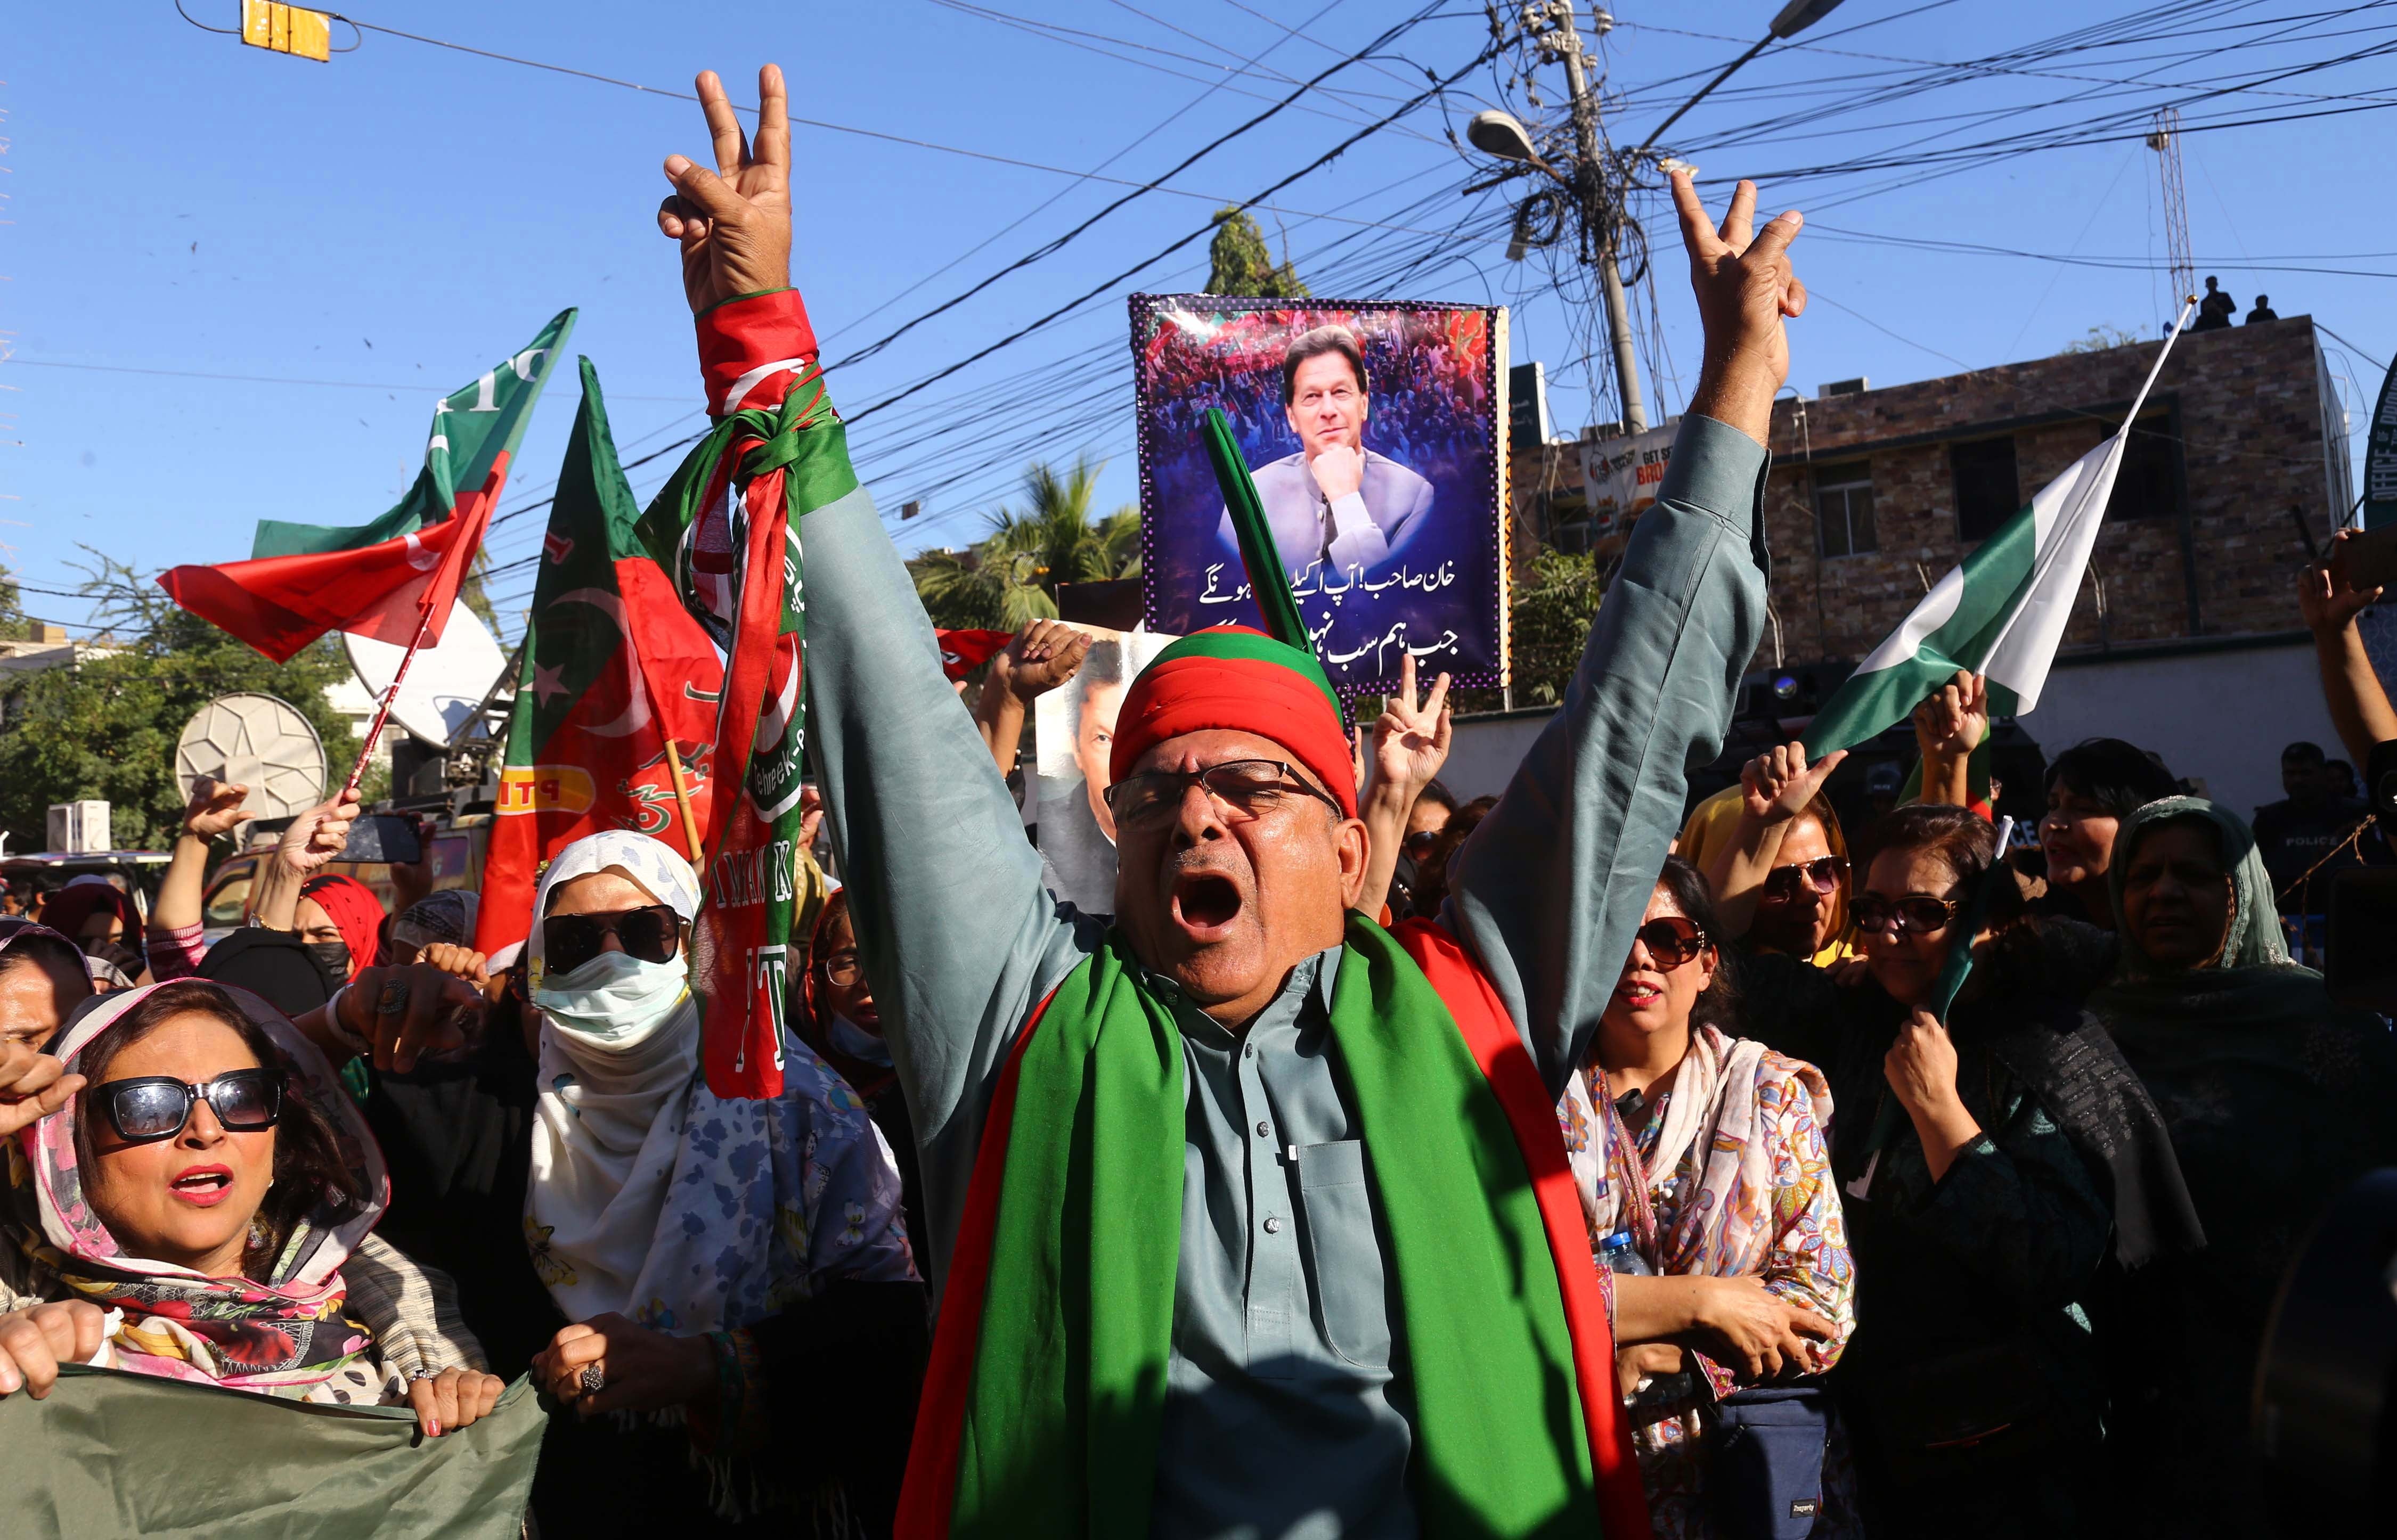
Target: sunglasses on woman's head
(653, 934)
(1917, 913)
(150, 1107)
(1822, 874)
(1672, 940)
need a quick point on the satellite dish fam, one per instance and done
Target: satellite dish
(445, 685)
(258, 741)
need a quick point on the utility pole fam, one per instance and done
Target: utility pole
(1595, 181)
(1595, 186)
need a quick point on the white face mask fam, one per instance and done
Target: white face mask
(858, 1043)
(616, 1000)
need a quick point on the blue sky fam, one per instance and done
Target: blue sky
(368, 232)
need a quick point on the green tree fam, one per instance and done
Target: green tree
(1011, 575)
(1239, 262)
(1553, 606)
(107, 725)
(12, 607)
(2100, 339)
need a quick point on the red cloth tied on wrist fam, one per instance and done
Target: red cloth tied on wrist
(1235, 679)
(752, 349)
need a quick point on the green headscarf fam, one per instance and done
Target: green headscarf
(2159, 1011)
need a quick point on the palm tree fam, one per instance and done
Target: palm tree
(1011, 575)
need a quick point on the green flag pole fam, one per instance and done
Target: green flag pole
(1258, 552)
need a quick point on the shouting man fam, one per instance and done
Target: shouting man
(1251, 1218)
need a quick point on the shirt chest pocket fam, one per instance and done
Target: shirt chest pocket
(1344, 1251)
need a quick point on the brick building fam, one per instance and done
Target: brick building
(2237, 472)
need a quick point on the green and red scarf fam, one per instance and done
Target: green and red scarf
(1046, 1394)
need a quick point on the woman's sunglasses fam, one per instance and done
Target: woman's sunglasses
(1672, 940)
(1822, 874)
(653, 934)
(150, 1107)
(1917, 913)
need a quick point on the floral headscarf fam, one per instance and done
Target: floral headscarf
(288, 1336)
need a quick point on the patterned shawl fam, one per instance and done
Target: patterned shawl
(655, 1198)
(1727, 1227)
(286, 1337)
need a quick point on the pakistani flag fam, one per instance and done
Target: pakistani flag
(400, 573)
(2002, 612)
(614, 675)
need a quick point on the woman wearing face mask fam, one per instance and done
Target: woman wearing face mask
(2276, 1100)
(1984, 1162)
(837, 1019)
(93, 912)
(1702, 1155)
(202, 1213)
(710, 1266)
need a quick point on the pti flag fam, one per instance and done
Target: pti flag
(964, 651)
(389, 579)
(614, 725)
(728, 528)
(2002, 612)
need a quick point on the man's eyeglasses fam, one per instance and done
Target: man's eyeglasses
(150, 1107)
(1251, 788)
(653, 934)
(1917, 913)
(1822, 874)
(1672, 940)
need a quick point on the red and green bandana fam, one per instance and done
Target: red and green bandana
(1239, 680)
(1046, 1392)
(727, 527)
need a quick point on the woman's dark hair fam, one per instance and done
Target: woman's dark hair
(1967, 845)
(1431, 867)
(2118, 777)
(1719, 1006)
(1436, 794)
(311, 1178)
(52, 953)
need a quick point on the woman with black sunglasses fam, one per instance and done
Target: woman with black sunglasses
(1707, 1185)
(1986, 1161)
(202, 1212)
(719, 1293)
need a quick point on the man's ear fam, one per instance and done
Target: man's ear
(1348, 838)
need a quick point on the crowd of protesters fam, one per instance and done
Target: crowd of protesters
(1988, 1257)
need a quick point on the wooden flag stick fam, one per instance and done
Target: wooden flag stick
(382, 708)
(682, 800)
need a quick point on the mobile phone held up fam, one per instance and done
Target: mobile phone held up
(2367, 560)
(391, 837)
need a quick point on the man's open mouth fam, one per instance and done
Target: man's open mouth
(1205, 904)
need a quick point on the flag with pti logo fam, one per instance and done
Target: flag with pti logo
(399, 575)
(614, 723)
(727, 527)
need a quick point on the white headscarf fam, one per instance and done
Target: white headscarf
(652, 1198)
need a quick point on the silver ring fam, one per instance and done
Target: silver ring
(594, 1378)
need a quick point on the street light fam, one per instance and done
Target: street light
(1593, 180)
(1794, 18)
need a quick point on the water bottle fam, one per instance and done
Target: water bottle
(1617, 1253)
